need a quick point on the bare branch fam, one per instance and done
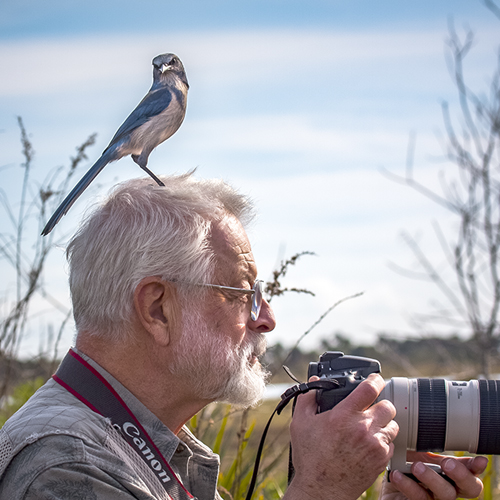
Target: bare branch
(433, 274)
(27, 253)
(473, 197)
(319, 320)
(274, 288)
(493, 7)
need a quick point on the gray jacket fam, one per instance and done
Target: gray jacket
(56, 448)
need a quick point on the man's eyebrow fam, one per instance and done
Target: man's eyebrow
(251, 278)
(245, 276)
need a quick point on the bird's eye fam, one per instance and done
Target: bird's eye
(174, 60)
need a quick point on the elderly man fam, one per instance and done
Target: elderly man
(170, 317)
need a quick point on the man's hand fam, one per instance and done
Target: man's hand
(339, 453)
(462, 471)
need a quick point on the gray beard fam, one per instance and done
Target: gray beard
(219, 371)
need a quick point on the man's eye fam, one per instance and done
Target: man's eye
(235, 296)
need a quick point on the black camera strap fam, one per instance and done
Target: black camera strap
(91, 388)
(286, 397)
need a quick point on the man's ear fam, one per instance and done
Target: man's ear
(157, 308)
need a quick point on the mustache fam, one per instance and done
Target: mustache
(255, 345)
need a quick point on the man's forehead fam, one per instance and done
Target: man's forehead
(231, 246)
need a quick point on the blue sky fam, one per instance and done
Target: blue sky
(297, 104)
(24, 18)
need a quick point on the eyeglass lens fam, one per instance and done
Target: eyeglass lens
(257, 299)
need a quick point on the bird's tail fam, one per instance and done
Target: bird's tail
(84, 182)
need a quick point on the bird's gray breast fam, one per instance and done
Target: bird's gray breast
(159, 127)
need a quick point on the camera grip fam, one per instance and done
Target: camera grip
(327, 400)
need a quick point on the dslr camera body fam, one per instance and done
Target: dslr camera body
(433, 414)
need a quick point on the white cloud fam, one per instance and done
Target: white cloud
(45, 65)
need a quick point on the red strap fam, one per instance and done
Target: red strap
(91, 388)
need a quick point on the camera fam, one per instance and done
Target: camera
(433, 414)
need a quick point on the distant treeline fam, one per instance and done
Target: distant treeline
(412, 357)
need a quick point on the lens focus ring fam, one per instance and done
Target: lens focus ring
(489, 432)
(431, 414)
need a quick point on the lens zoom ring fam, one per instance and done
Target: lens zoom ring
(431, 414)
(489, 428)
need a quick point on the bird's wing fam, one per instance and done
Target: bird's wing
(153, 104)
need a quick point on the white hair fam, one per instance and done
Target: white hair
(143, 230)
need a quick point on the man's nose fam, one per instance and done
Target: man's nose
(266, 321)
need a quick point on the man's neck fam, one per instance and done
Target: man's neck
(145, 375)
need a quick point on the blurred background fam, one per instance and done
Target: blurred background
(303, 107)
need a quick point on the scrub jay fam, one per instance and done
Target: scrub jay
(154, 120)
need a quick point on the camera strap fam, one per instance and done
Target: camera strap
(286, 397)
(91, 388)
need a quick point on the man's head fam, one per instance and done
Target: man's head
(186, 234)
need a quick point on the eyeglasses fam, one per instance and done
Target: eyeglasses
(257, 292)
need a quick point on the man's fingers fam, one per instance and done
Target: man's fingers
(358, 400)
(408, 487)
(365, 393)
(307, 404)
(468, 485)
(440, 487)
(391, 431)
(477, 465)
(461, 471)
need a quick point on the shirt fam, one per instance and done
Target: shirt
(56, 448)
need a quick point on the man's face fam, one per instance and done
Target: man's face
(226, 311)
(220, 341)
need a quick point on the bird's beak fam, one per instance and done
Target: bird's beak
(164, 67)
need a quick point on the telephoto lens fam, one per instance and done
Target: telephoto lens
(432, 414)
(441, 415)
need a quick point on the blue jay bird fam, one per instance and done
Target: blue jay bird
(154, 120)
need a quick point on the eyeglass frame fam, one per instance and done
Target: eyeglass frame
(257, 291)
